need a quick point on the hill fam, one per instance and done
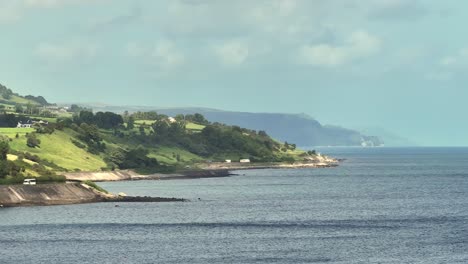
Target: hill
(302, 129)
(9, 99)
(40, 142)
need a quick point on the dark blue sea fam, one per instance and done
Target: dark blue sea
(381, 205)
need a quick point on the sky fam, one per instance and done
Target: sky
(397, 65)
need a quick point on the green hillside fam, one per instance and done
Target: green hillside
(144, 141)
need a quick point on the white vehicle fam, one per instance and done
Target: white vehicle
(29, 182)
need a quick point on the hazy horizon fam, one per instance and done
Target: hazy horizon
(396, 65)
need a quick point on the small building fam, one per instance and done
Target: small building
(171, 120)
(30, 124)
(245, 161)
(228, 161)
(25, 125)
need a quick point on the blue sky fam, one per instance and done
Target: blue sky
(394, 64)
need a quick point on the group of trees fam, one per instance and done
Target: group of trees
(38, 99)
(4, 148)
(152, 115)
(91, 136)
(195, 118)
(5, 93)
(131, 158)
(7, 167)
(105, 120)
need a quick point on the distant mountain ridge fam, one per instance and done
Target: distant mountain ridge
(300, 129)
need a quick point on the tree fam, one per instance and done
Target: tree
(179, 117)
(5, 92)
(4, 148)
(4, 164)
(32, 140)
(262, 133)
(130, 123)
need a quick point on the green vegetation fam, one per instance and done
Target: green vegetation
(95, 186)
(81, 140)
(194, 126)
(12, 132)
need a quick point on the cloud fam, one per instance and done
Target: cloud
(164, 54)
(167, 55)
(9, 12)
(234, 52)
(457, 60)
(56, 3)
(15, 10)
(359, 44)
(69, 52)
(117, 21)
(396, 9)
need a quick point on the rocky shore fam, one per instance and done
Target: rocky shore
(64, 194)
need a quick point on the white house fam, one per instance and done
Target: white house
(25, 125)
(228, 161)
(30, 123)
(172, 120)
(245, 161)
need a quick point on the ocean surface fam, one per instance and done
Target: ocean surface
(381, 205)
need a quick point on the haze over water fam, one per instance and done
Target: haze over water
(382, 205)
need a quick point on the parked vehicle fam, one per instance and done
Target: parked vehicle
(29, 182)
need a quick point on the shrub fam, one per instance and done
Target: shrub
(95, 186)
(33, 141)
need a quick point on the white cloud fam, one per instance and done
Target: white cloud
(457, 60)
(15, 10)
(166, 54)
(75, 51)
(9, 12)
(234, 52)
(56, 3)
(359, 44)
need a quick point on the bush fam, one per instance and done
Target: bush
(51, 178)
(95, 186)
(78, 144)
(33, 141)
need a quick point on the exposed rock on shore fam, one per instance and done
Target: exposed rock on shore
(63, 194)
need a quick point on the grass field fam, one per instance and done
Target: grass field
(58, 148)
(166, 155)
(147, 122)
(11, 132)
(194, 127)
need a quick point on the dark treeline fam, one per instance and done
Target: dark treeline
(11, 120)
(105, 120)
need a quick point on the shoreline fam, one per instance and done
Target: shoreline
(65, 194)
(208, 170)
(77, 192)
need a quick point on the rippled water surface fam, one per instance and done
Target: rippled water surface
(381, 205)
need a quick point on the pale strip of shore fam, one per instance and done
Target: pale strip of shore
(64, 194)
(205, 170)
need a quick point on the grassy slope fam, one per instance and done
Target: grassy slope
(194, 127)
(59, 149)
(166, 155)
(11, 132)
(21, 100)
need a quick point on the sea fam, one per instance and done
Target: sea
(381, 205)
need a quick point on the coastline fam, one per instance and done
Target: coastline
(65, 194)
(76, 192)
(203, 170)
